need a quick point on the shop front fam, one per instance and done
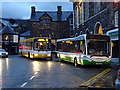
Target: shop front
(115, 43)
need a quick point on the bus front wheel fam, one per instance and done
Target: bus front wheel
(75, 62)
(21, 52)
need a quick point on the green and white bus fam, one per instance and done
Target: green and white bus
(85, 50)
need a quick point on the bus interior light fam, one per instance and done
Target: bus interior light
(67, 41)
(41, 39)
(41, 43)
(46, 40)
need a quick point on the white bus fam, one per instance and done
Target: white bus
(85, 50)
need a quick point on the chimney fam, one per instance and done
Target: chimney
(59, 11)
(32, 10)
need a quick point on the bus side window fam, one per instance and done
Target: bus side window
(82, 47)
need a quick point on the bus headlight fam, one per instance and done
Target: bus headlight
(36, 54)
(6, 53)
(49, 54)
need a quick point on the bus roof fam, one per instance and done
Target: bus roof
(85, 36)
(31, 39)
(80, 37)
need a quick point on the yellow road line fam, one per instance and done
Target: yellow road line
(87, 83)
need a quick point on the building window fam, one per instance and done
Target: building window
(80, 12)
(116, 19)
(91, 9)
(46, 22)
(77, 17)
(86, 10)
(15, 38)
(6, 37)
(96, 7)
(87, 31)
(81, 33)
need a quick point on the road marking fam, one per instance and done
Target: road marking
(92, 80)
(36, 73)
(24, 84)
(32, 77)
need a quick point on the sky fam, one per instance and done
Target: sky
(22, 10)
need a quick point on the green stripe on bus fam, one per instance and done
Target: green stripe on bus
(86, 62)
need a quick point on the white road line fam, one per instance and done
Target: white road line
(36, 73)
(32, 77)
(24, 84)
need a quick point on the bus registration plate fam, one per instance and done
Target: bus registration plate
(98, 63)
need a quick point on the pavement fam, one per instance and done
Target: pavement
(107, 81)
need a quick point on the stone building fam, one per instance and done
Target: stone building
(54, 24)
(1, 25)
(96, 18)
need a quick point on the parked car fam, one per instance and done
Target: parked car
(117, 82)
(3, 53)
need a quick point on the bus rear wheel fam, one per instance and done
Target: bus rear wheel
(75, 62)
(59, 59)
(28, 54)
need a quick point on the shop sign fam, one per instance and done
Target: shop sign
(113, 34)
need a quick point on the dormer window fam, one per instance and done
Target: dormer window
(46, 22)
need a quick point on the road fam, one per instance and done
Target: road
(21, 72)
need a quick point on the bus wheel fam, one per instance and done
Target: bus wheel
(59, 59)
(28, 54)
(75, 62)
(21, 52)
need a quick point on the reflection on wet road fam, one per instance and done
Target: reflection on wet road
(20, 72)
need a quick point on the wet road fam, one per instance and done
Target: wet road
(20, 72)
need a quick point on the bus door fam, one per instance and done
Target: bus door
(82, 50)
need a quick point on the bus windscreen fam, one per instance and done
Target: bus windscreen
(98, 48)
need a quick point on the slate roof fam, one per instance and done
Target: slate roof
(4, 22)
(52, 14)
(27, 34)
(8, 30)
